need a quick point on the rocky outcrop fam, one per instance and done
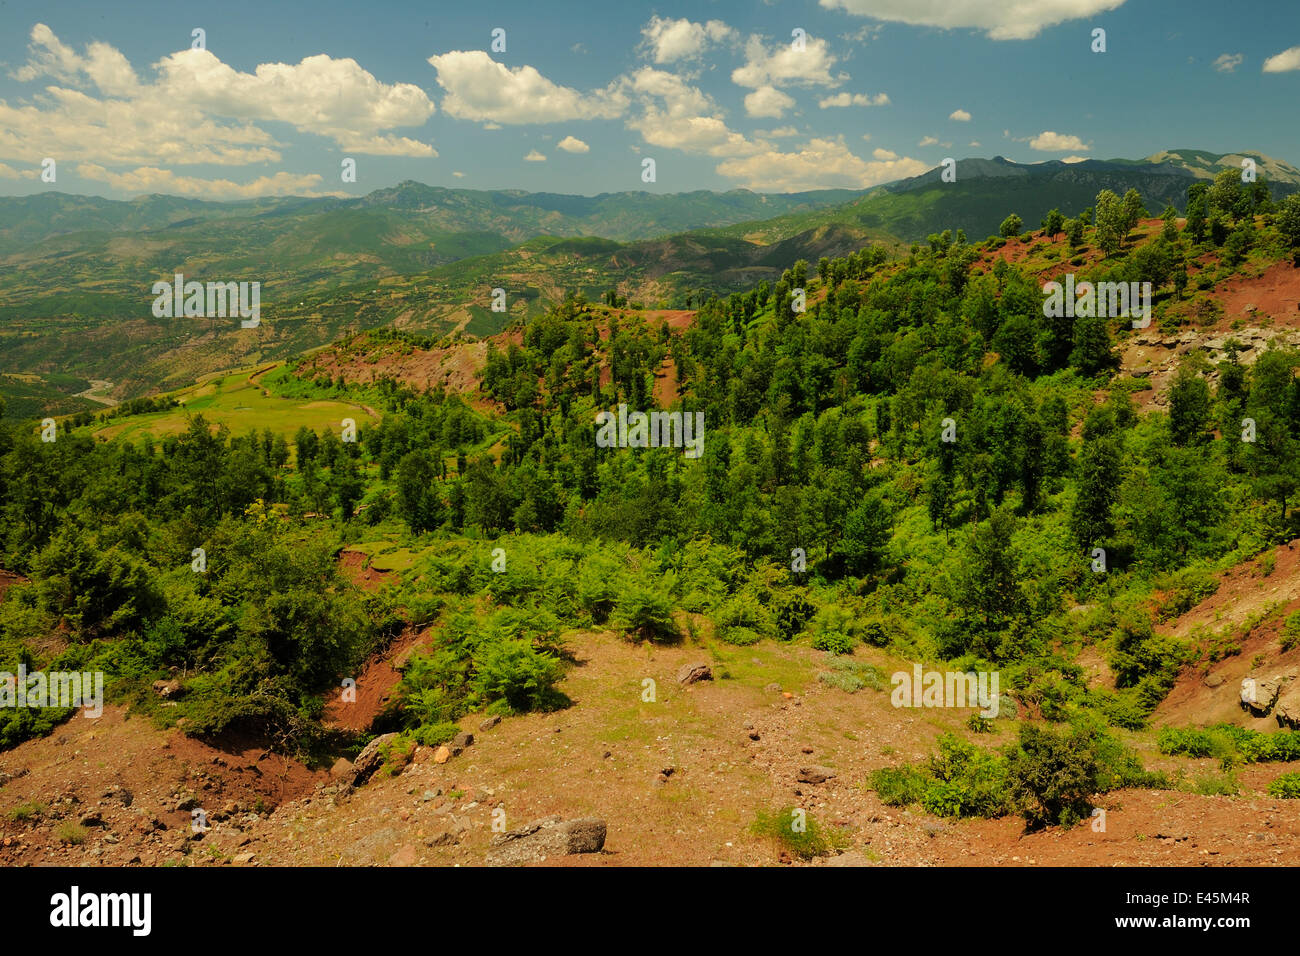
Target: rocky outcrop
(547, 837)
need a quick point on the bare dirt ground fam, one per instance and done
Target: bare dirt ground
(679, 780)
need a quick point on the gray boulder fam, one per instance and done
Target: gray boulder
(547, 837)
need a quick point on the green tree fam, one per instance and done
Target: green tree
(418, 502)
(1010, 226)
(1098, 476)
(1053, 224)
(1112, 222)
(1189, 407)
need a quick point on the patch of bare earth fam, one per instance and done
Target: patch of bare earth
(129, 791)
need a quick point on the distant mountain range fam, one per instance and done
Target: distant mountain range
(75, 271)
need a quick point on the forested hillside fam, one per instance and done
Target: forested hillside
(918, 462)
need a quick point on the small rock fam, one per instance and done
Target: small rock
(406, 856)
(442, 754)
(463, 740)
(167, 688)
(815, 774)
(489, 723)
(369, 760)
(242, 858)
(343, 769)
(691, 673)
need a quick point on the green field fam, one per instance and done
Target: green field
(242, 405)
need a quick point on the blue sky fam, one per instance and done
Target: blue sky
(715, 92)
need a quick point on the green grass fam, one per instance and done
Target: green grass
(242, 406)
(797, 832)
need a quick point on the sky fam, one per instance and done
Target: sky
(271, 99)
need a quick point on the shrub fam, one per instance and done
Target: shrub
(1291, 632)
(969, 781)
(832, 630)
(743, 615)
(797, 832)
(851, 676)
(793, 612)
(514, 671)
(900, 786)
(1286, 786)
(646, 611)
(431, 735)
(72, 833)
(396, 755)
(740, 636)
(1052, 775)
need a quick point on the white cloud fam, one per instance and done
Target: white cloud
(974, 144)
(1073, 159)
(821, 163)
(571, 144)
(105, 67)
(884, 154)
(1282, 62)
(1050, 142)
(151, 179)
(960, 116)
(458, 174)
(479, 88)
(928, 141)
(999, 19)
(853, 99)
(672, 40)
(1227, 62)
(676, 115)
(322, 95)
(8, 172)
(196, 109)
(783, 65)
(778, 133)
(768, 101)
(534, 157)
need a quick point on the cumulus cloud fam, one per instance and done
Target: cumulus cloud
(534, 157)
(960, 116)
(96, 109)
(783, 65)
(819, 164)
(928, 141)
(853, 99)
(1283, 62)
(1073, 159)
(151, 179)
(768, 101)
(999, 19)
(458, 174)
(671, 40)
(676, 115)
(884, 154)
(1227, 62)
(479, 88)
(8, 172)
(571, 144)
(1050, 142)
